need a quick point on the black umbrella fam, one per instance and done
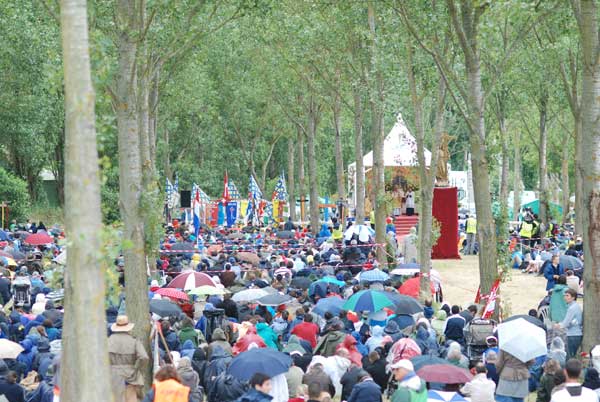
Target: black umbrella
(300, 282)
(285, 234)
(426, 360)
(533, 320)
(275, 299)
(259, 360)
(404, 304)
(164, 308)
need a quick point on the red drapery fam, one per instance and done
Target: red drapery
(445, 210)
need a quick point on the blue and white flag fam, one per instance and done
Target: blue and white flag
(280, 192)
(234, 194)
(253, 189)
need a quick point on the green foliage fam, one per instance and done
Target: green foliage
(13, 190)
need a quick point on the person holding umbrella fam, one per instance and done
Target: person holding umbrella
(513, 383)
(260, 386)
(410, 387)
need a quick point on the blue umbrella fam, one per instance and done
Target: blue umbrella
(444, 396)
(3, 235)
(368, 300)
(373, 275)
(330, 279)
(332, 304)
(259, 360)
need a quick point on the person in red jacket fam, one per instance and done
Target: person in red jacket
(307, 330)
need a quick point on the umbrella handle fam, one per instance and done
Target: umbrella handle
(164, 342)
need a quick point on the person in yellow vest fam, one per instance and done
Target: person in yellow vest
(526, 231)
(471, 229)
(168, 387)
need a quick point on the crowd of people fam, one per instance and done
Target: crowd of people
(351, 354)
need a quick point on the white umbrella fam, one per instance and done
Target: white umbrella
(248, 295)
(9, 349)
(522, 339)
(364, 232)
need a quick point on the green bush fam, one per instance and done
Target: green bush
(13, 190)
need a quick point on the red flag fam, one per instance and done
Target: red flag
(226, 198)
(490, 306)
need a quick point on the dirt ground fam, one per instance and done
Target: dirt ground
(460, 280)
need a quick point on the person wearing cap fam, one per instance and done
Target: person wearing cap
(410, 387)
(127, 357)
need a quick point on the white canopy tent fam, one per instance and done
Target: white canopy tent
(399, 149)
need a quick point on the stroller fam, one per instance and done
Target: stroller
(475, 336)
(22, 291)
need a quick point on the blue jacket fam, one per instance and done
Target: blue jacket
(366, 391)
(26, 356)
(550, 271)
(255, 396)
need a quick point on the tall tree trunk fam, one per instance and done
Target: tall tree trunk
(543, 163)
(517, 177)
(153, 115)
(339, 153)
(505, 163)
(466, 25)
(301, 178)
(313, 122)
(291, 182)
(359, 190)
(564, 172)
(426, 176)
(376, 100)
(85, 367)
(579, 177)
(130, 174)
(587, 18)
(167, 161)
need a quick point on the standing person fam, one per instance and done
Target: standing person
(513, 383)
(553, 271)
(410, 387)
(168, 387)
(573, 390)
(573, 323)
(410, 203)
(471, 229)
(127, 357)
(480, 388)
(260, 386)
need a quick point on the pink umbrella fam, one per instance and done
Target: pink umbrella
(172, 293)
(39, 239)
(191, 280)
(404, 348)
(445, 374)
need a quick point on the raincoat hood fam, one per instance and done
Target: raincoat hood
(188, 345)
(27, 345)
(391, 328)
(261, 326)
(377, 331)
(43, 345)
(441, 315)
(218, 335)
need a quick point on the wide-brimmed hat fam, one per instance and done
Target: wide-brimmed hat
(122, 324)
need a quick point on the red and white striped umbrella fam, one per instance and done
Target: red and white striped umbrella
(172, 293)
(191, 280)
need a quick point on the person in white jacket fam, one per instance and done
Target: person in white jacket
(480, 388)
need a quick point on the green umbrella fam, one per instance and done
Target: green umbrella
(368, 300)
(206, 290)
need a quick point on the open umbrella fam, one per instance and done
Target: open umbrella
(522, 339)
(205, 290)
(22, 234)
(570, 262)
(363, 232)
(5, 254)
(8, 262)
(404, 304)
(528, 318)
(164, 308)
(248, 295)
(426, 360)
(246, 256)
(300, 282)
(373, 275)
(3, 235)
(444, 396)
(332, 280)
(191, 280)
(412, 287)
(39, 239)
(368, 300)
(285, 234)
(172, 293)
(17, 255)
(275, 299)
(320, 288)
(259, 360)
(9, 349)
(444, 374)
(332, 304)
